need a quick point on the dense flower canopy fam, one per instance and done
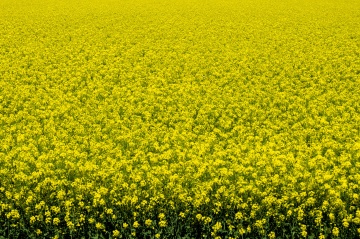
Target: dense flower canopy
(200, 118)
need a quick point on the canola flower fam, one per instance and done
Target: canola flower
(200, 119)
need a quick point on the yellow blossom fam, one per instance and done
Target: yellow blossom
(115, 233)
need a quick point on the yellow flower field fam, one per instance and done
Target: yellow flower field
(180, 119)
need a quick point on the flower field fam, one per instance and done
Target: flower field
(180, 119)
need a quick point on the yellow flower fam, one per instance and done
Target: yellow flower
(99, 226)
(238, 216)
(136, 224)
(70, 225)
(48, 213)
(217, 227)
(125, 225)
(32, 219)
(82, 218)
(148, 222)
(272, 235)
(303, 230)
(207, 220)
(162, 223)
(157, 235)
(335, 231)
(14, 214)
(300, 214)
(68, 203)
(56, 221)
(55, 209)
(102, 201)
(115, 233)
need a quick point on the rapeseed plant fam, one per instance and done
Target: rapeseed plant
(139, 119)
